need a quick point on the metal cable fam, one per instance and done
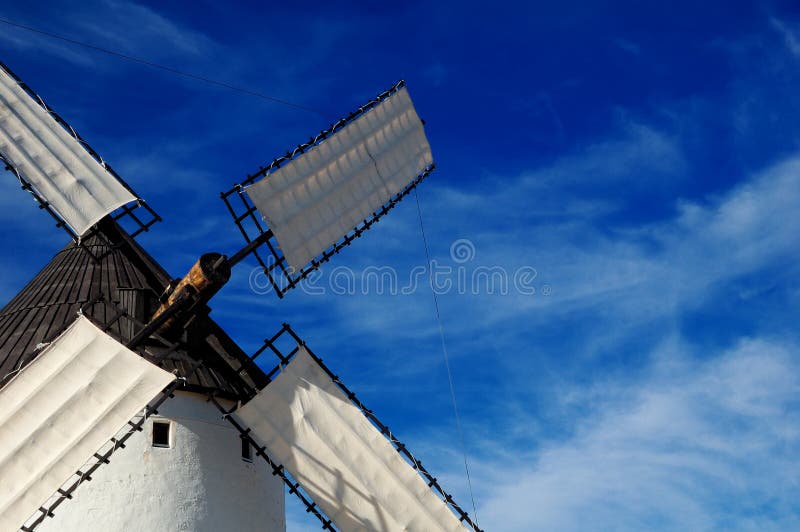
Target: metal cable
(164, 68)
(446, 357)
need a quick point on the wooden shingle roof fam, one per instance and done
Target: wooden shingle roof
(125, 275)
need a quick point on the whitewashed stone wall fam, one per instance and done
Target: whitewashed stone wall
(199, 484)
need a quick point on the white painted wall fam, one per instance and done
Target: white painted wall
(200, 484)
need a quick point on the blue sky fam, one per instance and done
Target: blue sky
(644, 160)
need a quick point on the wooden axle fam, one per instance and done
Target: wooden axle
(205, 278)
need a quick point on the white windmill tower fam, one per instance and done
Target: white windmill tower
(114, 373)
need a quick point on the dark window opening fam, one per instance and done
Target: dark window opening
(247, 451)
(161, 433)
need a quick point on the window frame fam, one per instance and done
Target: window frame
(168, 424)
(246, 451)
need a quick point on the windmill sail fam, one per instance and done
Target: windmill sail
(350, 470)
(52, 159)
(319, 197)
(62, 408)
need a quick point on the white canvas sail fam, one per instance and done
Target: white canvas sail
(63, 407)
(315, 199)
(74, 183)
(347, 466)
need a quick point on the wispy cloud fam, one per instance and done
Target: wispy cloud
(136, 29)
(22, 40)
(122, 26)
(790, 35)
(672, 450)
(436, 73)
(628, 46)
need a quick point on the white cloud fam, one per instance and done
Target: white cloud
(787, 33)
(661, 263)
(20, 39)
(122, 26)
(641, 273)
(135, 29)
(694, 445)
(628, 46)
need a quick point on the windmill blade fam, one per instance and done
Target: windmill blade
(349, 463)
(319, 196)
(56, 165)
(61, 408)
(326, 192)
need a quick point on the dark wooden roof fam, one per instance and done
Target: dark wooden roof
(130, 278)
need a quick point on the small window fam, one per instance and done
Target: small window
(247, 451)
(161, 431)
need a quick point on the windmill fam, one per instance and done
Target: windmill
(103, 347)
